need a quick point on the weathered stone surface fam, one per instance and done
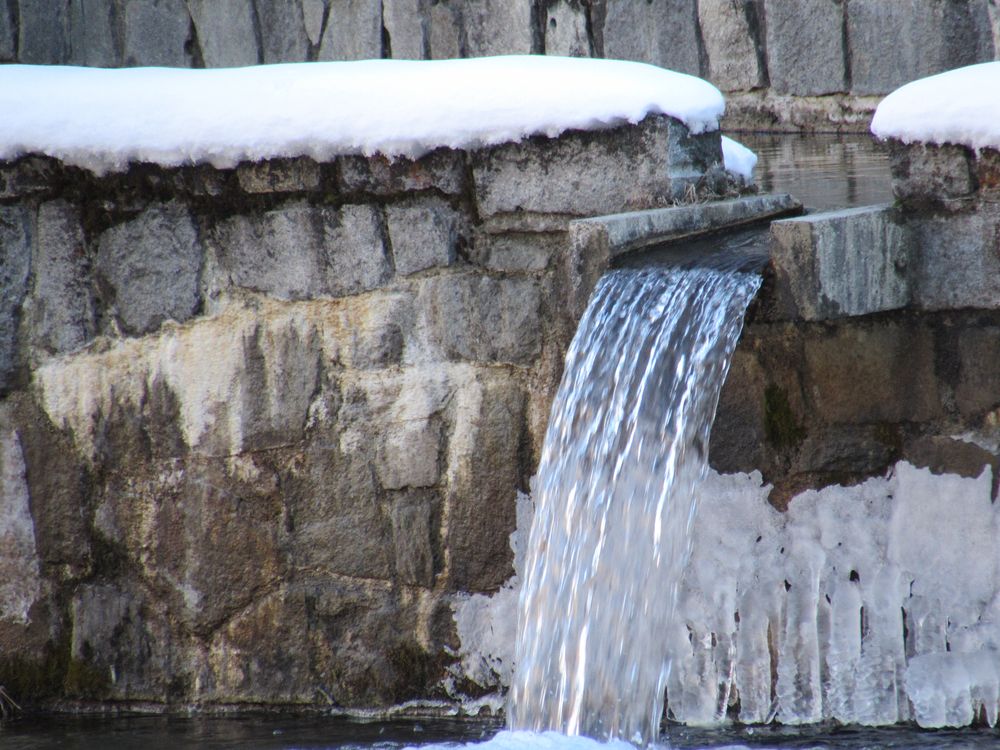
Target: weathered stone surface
(59, 313)
(300, 251)
(480, 319)
(408, 455)
(15, 268)
(423, 235)
(353, 30)
(278, 252)
(730, 30)
(225, 30)
(842, 263)
(663, 32)
(652, 166)
(283, 34)
(313, 15)
(944, 455)
(518, 251)
(92, 33)
(115, 634)
(357, 258)
(202, 535)
(978, 388)
(762, 110)
(993, 16)
(871, 374)
(43, 32)
(356, 639)
(805, 46)
(442, 169)
(489, 422)
(630, 231)
(405, 24)
(412, 535)
(8, 35)
(958, 260)
(896, 42)
(566, 29)
(923, 173)
(152, 264)
(20, 577)
(156, 33)
(987, 172)
(444, 31)
(497, 28)
(279, 175)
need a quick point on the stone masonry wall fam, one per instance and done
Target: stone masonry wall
(260, 426)
(876, 337)
(784, 64)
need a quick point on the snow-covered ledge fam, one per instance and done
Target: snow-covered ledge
(277, 347)
(944, 143)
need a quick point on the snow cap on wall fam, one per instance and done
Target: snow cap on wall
(960, 106)
(103, 119)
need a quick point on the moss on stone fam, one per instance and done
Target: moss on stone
(781, 427)
(54, 675)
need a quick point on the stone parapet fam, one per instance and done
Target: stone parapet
(264, 424)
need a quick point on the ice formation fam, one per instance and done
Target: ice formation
(871, 604)
(626, 442)
(960, 106)
(103, 119)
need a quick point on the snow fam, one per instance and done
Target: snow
(737, 158)
(960, 106)
(879, 603)
(104, 119)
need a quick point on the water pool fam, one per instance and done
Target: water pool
(271, 732)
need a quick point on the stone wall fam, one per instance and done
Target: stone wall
(259, 427)
(876, 337)
(785, 64)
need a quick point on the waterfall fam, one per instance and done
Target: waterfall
(626, 444)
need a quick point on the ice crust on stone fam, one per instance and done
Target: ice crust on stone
(959, 106)
(737, 158)
(871, 604)
(103, 119)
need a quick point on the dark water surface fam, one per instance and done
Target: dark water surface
(334, 733)
(823, 171)
(254, 732)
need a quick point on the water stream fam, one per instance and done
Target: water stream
(627, 441)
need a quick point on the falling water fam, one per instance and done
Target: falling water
(626, 443)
